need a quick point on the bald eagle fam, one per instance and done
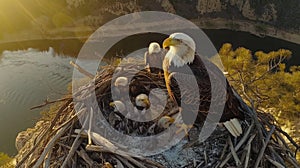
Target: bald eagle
(165, 121)
(121, 81)
(120, 86)
(141, 105)
(181, 56)
(142, 101)
(138, 95)
(118, 106)
(154, 57)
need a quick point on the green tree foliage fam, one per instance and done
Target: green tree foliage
(264, 79)
(5, 160)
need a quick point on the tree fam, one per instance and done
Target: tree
(264, 79)
(5, 160)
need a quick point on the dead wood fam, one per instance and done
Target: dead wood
(62, 142)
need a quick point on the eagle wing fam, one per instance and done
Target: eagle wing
(233, 106)
(155, 60)
(146, 58)
(189, 96)
(193, 92)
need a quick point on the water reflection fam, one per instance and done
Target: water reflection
(27, 78)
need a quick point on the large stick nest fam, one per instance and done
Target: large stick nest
(61, 142)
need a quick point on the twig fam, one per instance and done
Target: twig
(292, 161)
(90, 127)
(288, 137)
(276, 155)
(46, 102)
(72, 151)
(148, 161)
(272, 67)
(261, 153)
(236, 158)
(257, 124)
(105, 149)
(47, 160)
(137, 163)
(244, 154)
(49, 146)
(224, 150)
(125, 161)
(44, 133)
(254, 113)
(200, 164)
(237, 147)
(278, 165)
(205, 157)
(74, 161)
(64, 145)
(119, 163)
(67, 122)
(287, 148)
(96, 148)
(82, 134)
(85, 157)
(81, 70)
(248, 150)
(98, 139)
(70, 133)
(247, 156)
(80, 153)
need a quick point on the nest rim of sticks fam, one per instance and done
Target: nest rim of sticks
(61, 142)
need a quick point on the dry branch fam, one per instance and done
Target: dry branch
(262, 151)
(49, 147)
(62, 143)
(81, 70)
(47, 102)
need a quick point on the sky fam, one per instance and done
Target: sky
(16, 15)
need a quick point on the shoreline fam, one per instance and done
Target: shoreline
(258, 29)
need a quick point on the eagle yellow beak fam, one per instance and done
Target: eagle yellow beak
(165, 121)
(112, 104)
(170, 42)
(147, 103)
(171, 120)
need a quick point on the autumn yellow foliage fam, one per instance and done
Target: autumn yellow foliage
(264, 79)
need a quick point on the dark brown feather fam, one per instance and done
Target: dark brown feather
(197, 101)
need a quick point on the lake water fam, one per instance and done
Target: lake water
(254, 43)
(29, 76)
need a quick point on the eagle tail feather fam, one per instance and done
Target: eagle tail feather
(234, 127)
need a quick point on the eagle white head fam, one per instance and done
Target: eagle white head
(118, 106)
(181, 49)
(121, 81)
(142, 100)
(154, 48)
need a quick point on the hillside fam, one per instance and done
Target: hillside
(78, 18)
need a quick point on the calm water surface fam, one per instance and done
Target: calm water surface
(27, 78)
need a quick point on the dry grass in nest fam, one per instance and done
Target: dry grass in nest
(61, 142)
